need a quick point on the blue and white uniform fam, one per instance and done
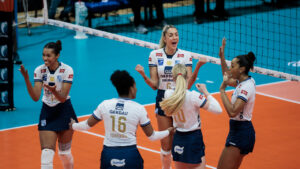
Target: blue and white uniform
(165, 63)
(55, 116)
(121, 118)
(242, 134)
(188, 145)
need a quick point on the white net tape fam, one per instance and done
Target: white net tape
(150, 45)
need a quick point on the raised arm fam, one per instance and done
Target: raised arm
(192, 76)
(153, 80)
(212, 105)
(34, 91)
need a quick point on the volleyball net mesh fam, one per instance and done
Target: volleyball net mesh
(270, 30)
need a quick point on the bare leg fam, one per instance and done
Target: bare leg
(230, 158)
(64, 148)
(165, 122)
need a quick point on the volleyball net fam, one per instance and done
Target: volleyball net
(269, 30)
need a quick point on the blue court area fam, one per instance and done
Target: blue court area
(93, 60)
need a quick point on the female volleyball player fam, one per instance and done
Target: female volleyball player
(121, 117)
(161, 62)
(183, 105)
(241, 138)
(56, 79)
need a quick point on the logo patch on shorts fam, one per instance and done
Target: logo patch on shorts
(231, 143)
(178, 149)
(117, 162)
(43, 123)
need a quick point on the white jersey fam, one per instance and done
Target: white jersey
(164, 64)
(63, 74)
(188, 118)
(245, 91)
(121, 118)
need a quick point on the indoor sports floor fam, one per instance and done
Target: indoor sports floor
(275, 117)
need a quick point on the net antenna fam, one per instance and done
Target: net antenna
(142, 43)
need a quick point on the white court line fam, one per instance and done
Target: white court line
(266, 84)
(140, 147)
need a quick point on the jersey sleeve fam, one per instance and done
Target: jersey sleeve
(245, 92)
(68, 78)
(38, 76)
(144, 119)
(97, 114)
(152, 59)
(198, 99)
(188, 59)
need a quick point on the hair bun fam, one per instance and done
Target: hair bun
(58, 45)
(251, 57)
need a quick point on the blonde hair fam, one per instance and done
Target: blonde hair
(174, 103)
(162, 43)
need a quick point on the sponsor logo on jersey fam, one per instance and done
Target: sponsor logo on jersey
(71, 76)
(43, 70)
(191, 59)
(59, 78)
(159, 54)
(44, 77)
(34, 75)
(180, 55)
(168, 70)
(244, 92)
(201, 97)
(169, 62)
(178, 149)
(117, 162)
(160, 62)
(119, 106)
(62, 70)
(43, 123)
(150, 59)
(177, 62)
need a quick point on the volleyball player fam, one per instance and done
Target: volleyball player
(121, 117)
(56, 79)
(161, 62)
(183, 105)
(241, 138)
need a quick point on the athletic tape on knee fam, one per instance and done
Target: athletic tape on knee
(163, 152)
(47, 157)
(64, 148)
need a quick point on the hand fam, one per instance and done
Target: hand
(221, 51)
(50, 88)
(172, 130)
(201, 87)
(223, 86)
(202, 60)
(71, 123)
(24, 72)
(140, 69)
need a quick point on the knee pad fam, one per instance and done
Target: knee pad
(64, 151)
(165, 153)
(47, 157)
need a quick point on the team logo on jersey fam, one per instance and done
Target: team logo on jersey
(160, 62)
(119, 106)
(244, 92)
(159, 54)
(43, 123)
(168, 70)
(43, 70)
(180, 55)
(117, 162)
(44, 77)
(51, 79)
(62, 70)
(178, 149)
(169, 62)
(177, 62)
